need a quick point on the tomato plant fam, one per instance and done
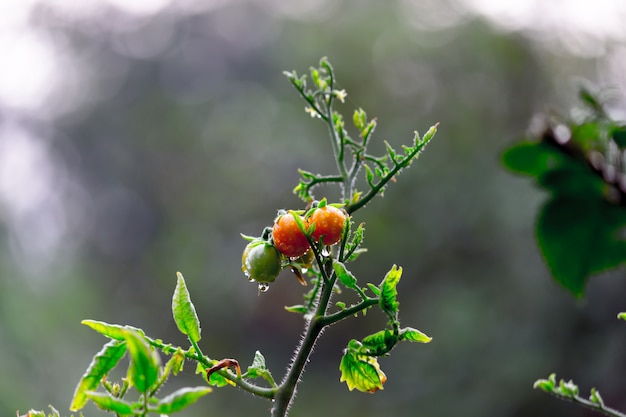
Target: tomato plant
(292, 241)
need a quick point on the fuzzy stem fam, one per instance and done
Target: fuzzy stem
(287, 389)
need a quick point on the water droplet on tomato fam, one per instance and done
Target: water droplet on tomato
(263, 287)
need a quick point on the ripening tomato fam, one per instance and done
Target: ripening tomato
(329, 223)
(288, 238)
(260, 261)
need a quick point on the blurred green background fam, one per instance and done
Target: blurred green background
(140, 138)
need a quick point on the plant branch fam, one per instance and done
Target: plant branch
(286, 390)
(350, 311)
(199, 357)
(599, 407)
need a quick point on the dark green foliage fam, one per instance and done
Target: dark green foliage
(579, 163)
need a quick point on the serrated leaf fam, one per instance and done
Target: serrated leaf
(361, 372)
(380, 342)
(578, 237)
(388, 293)
(258, 361)
(180, 399)
(413, 335)
(113, 331)
(258, 369)
(108, 403)
(184, 311)
(143, 371)
(344, 275)
(101, 364)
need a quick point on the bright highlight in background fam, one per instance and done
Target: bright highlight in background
(28, 70)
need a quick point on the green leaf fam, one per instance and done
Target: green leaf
(176, 362)
(101, 364)
(390, 151)
(568, 389)
(355, 242)
(108, 403)
(180, 399)
(388, 292)
(590, 99)
(259, 361)
(344, 275)
(296, 309)
(215, 379)
(143, 371)
(361, 372)
(619, 136)
(572, 178)
(184, 312)
(413, 335)
(546, 385)
(300, 222)
(113, 331)
(532, 158)
(379, 343)
(596, 398)
(577, 237)
(430, 133)
(359, 119)
(258, 369)
(621, 316)
(369, 175)
(373, 288)
(589, 135)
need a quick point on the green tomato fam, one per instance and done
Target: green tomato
(261, 262)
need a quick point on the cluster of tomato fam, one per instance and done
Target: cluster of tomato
(264, 257)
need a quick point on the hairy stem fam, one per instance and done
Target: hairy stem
(287, 389)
